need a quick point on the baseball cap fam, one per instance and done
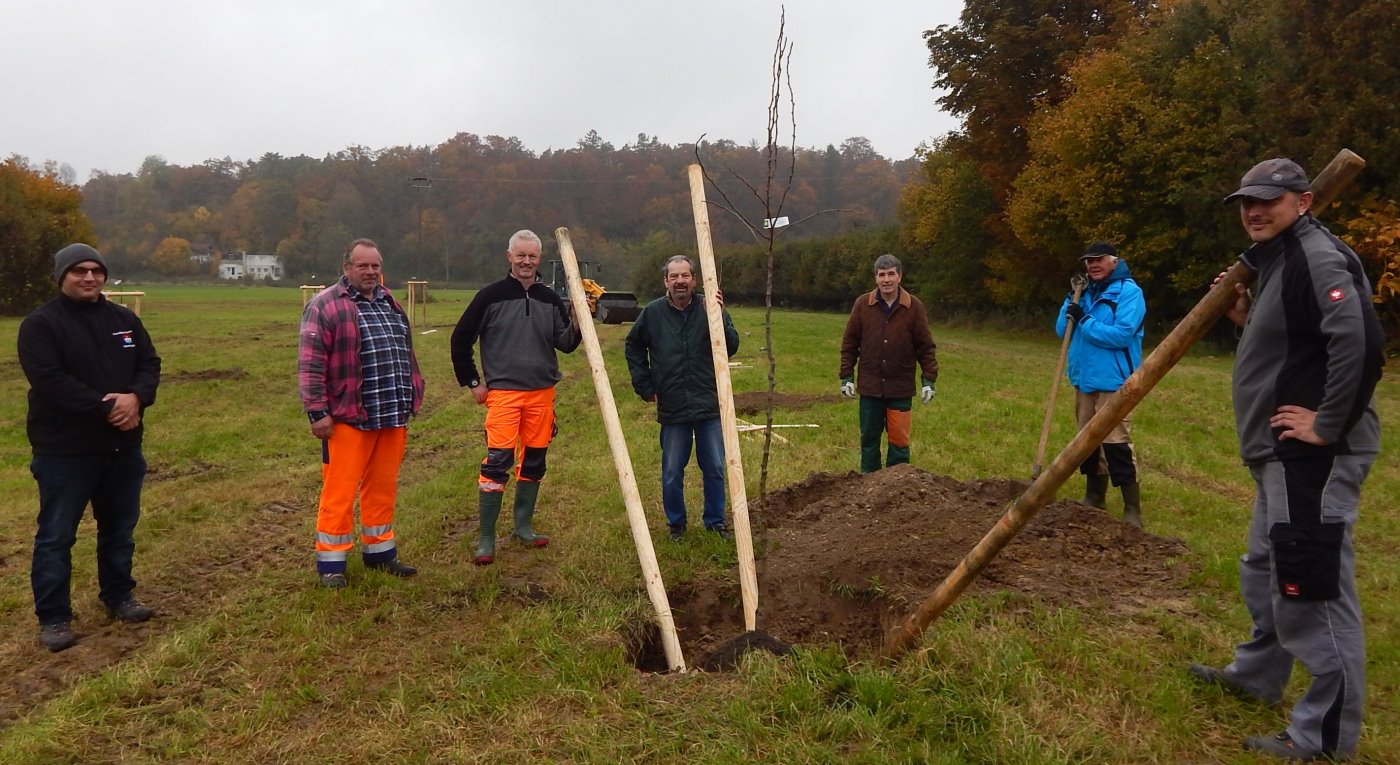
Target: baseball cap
(1098, 250)
(1270, 178)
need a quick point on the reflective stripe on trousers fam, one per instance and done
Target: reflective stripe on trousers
(363, 463)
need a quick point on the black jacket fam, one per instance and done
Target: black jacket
(73, 354)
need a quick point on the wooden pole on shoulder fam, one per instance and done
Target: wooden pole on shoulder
(1339, 172)
(1054, 389)
(636, 516)
(738, 498)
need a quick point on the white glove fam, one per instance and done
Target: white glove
(926, 394)
(848, 389)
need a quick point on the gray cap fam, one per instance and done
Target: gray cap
(1270, 178)
(72, 255)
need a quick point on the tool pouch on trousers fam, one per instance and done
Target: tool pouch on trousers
(1308, 560)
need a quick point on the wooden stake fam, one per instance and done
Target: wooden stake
(1055, 389)
(636, 517)
(738, 499)
(417, 303)
(1339, 172)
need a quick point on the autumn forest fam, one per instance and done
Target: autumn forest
(1121, 120)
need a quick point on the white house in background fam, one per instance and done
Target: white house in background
(235, 265)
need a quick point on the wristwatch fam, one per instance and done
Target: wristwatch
(317, 416)
(473, 383)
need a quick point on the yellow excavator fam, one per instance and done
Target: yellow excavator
(605, 305)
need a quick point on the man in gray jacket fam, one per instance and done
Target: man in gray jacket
(1309, 357)
(520, 323)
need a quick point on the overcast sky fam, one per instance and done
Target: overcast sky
(100, 85)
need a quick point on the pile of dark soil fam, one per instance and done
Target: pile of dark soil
(849, 556)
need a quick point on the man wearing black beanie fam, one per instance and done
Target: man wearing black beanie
(92, 372)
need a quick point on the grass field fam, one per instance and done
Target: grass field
(249, 662)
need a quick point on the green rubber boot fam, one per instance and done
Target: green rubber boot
(1095, 491)
(489, 503)
(526, 492)
(1132, 504)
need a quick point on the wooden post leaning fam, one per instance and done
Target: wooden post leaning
(1339, 172)
(636, 516)
(135, 299)
(417, 302)
(738, 499)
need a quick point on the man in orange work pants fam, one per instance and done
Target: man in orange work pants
(359, 383)
(520, 323)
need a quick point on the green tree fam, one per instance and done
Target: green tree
(1005, 59)
(39, 215)
(1155, 131)
(944, 228)
(1136, 137)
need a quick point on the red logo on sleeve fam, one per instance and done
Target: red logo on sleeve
(1335, 294)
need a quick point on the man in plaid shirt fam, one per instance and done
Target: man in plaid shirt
(359, 384)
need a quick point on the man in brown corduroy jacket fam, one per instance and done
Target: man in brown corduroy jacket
(885, 337)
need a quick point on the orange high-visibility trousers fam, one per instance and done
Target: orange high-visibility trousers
(364, 463)
(519, 426)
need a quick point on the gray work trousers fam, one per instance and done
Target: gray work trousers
(1324, 634)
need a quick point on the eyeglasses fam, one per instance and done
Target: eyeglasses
(82, 271)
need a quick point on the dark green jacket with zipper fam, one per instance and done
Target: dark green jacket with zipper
(668, 354)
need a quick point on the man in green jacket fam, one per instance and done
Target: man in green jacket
(668, 354)
(885, 336)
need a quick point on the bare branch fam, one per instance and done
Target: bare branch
(805, 218)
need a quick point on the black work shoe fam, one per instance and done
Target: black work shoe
(677, 533)
(130, 610)
(333, 581)
(722, 530)
(57, 637)
(1281, 746)
(1218, 677)
(393, 566)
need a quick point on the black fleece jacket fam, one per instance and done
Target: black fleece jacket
(74, 353)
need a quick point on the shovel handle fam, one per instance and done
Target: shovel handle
(1055, 388)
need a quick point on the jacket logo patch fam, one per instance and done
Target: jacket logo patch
(1335, 295)
(124, 337)
(1291, 590)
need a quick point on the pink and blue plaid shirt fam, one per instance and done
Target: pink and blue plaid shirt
(330, 370)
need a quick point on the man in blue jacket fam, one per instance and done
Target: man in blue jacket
(668, 354)
(1105, 349)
